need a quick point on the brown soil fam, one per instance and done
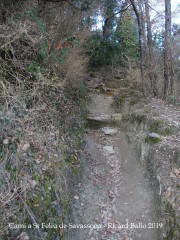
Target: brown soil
(114, 188)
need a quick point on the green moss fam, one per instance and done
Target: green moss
(172, 224)
(133, 102)
(140, 119)
(152, 140)
(168, 131)
(79, 141)
(119, 101)
(65, 200)
(156, 125)
(12, 169)
(147, 110)
(75, 169)
(171, 232)
(159, 127)
(76, 92)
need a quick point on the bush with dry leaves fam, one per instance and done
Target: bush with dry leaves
(41, 116)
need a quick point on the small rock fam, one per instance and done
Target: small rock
(110, 131)
(169, 192)
(154, 135)
(153, 138)
(79, 185)
(109, 150)
(111, 194)
(24, 146)
(6, 141)
(76, 198)
(33, 183)
(177, 172)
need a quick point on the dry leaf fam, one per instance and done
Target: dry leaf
(76, 197)
(25, 146)
(169, 192)
(111, 194)
(177, 172)
(6, 141)
(33, 183)
(75, 157)
(61, 232)
(172, 175)
(37, 160)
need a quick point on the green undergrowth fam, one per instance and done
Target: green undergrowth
(145, 119)
(153, 125)
(40, 150)
(128, 97)
(172, 222)
(119, 102)
(41, 124)
(161, 127)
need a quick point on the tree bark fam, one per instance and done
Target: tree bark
(168, 70)
(2, 13)
(150, 51)
(109, 17)
(141, 43)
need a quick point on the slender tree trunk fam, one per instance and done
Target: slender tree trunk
(107, 29)
(141, 43)
(168, 72)
(41, 5)
(150, 52)
(140, 4)
(109, 17)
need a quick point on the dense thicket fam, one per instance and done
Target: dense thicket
(41, 113)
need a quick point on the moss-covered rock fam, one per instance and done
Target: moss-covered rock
(153, 138)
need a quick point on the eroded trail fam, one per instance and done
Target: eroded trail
(114, 193)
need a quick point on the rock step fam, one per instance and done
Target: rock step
(116, 117)
(109, 131)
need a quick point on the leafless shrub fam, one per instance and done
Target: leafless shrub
(37, 116)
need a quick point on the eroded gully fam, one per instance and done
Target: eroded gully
(114, 195)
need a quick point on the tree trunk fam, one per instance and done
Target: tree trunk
(41, 6)
(150, 52)
(168, 72)
(141, 43)
(109, 18)
(2, 14)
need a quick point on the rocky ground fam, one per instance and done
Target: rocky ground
(115, 195)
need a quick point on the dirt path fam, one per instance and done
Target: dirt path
(114, 196)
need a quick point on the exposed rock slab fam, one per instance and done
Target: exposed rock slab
(153, 138)
(106, 118)
(101, 118)
(110, 131)
(108, 150)
(154, 135)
